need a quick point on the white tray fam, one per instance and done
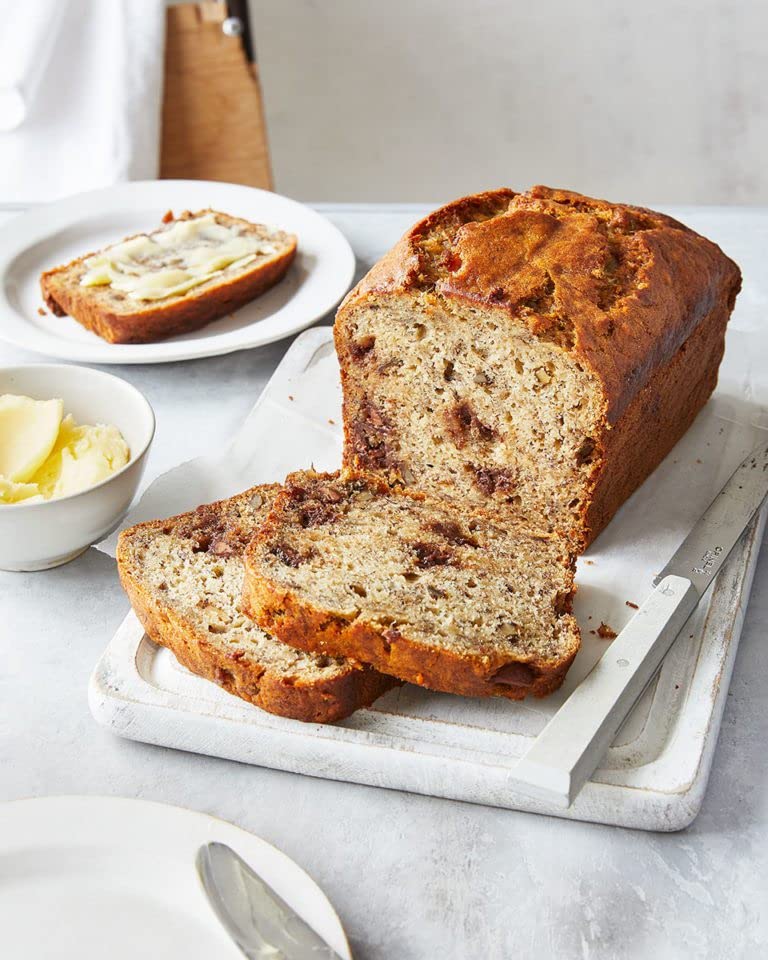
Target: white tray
(655, 774)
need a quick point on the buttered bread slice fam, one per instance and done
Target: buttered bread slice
(184, 578)
(451, 599)
(192, 270)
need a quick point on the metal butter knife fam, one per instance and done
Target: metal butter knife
(569, 749)
(259, 921)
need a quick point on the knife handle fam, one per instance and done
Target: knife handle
(570, 747)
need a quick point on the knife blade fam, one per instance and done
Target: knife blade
(570, 747)
(259, 921)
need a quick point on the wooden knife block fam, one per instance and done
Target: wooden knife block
(213, 117)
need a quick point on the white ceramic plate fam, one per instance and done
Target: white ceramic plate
(95, 877)
(56, 233)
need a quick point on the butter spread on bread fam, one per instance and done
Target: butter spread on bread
(174, 259)
(193, 269)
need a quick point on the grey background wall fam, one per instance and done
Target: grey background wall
(418, 100)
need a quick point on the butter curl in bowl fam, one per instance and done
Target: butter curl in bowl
(73, 442)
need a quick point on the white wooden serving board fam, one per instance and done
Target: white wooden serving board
(654, 775)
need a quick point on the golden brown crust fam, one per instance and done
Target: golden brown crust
(298, 623)
(215, 526)
(161, 320)
(307, 628)
(633, 296)
(655, 420)
(627, 286)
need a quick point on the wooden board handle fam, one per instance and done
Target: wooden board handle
(213, 124)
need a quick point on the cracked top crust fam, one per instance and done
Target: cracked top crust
(619, 287)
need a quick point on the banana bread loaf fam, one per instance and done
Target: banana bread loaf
(446, 598)
(184, 579)
(539, 353)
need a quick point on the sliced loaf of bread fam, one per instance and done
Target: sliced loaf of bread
(537, 353)
(450, 599)
(184, 578)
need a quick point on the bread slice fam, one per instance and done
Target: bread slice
(83, 288)
(447, 598)
(184, 579)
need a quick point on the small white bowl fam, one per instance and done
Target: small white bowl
(37, 536)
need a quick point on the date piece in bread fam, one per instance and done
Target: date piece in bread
(537, 353)
(189, 272)
(184, 579)
(450, 599)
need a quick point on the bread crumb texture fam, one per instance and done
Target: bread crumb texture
(184, 577)
(453, 600)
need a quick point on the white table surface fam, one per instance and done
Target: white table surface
(411, 876)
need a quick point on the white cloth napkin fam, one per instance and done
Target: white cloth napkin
(92, 106)
(26, 42)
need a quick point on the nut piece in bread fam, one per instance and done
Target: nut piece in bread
(446, 598)
(539, 353)
(184, 579)
(174, 280)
